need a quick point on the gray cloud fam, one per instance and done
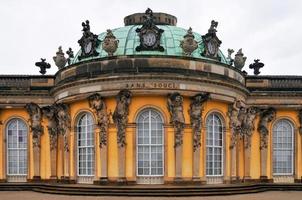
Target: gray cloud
(268, 30)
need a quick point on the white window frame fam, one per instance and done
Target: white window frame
(86, 146)
(292, 148)
(17, 120)
(149, 110)
(213, 146)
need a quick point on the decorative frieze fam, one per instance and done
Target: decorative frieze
(175, 107)
(97, 103)
(120, 115)
(266, 116)
(195, 113)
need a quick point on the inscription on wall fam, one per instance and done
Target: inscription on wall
(155, 85)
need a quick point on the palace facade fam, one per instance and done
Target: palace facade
(150, 103)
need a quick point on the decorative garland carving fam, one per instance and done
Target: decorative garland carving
(64, 120)
(188, 44)
(266, 116)
(175, 107)
(120, 115)
(96, 102)
(35, 120)
(50, 113)
(195, 113)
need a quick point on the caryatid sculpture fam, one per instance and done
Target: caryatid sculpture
(96, 102)
(236, 115)
(64, 120)
(35, 120)
(266, 116)
(175, 107)
(120, 115)
(50, 113)
(195, 113)
(247, 126)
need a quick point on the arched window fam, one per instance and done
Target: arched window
(150, 140)
(85, 141)
(214, 145)
(16, 131)
(283, 146)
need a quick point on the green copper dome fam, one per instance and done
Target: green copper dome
(170, 40)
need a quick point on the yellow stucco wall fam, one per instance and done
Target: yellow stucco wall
(160, 103)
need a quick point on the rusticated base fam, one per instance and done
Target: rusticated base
(101, 181)
(121, 181)
(3, 181)
(264, 179)
(35, 179)
(298, 180)
(234, 179)
(66, 180)
(198, 181)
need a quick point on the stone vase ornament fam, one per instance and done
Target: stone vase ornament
(239, 60)
(188, 44)
(60, 59)
(110, 43)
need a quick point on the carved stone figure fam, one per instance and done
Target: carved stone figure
(266, 116)
(188, 44)
(64, 120)
(88, 42)
(70, 55)
(149, 34)
(97, 103)
(236, 115)
(256, 66)
(35, 120)
(247, 126)
(60, 59)
(239, 60)
(110, 43)
(120, 115)
(175, 107)
(43, 66)
(50, 113)
(195, 112)
(230, 59)
(211, 42)
(300, 120)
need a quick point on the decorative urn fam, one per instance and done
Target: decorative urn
(188, 44)
(60, 59)
(110, 43)
(239, 60)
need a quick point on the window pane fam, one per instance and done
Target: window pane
(214, 145)
(149, 143)
(85, 133)
(16, 147)
(283, 148)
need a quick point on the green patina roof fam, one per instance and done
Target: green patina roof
(170, 40)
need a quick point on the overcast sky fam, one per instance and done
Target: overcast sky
(266, 29)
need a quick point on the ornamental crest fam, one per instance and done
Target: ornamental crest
(188, 44)
(149, 34)
(88, 42)
(110, 43)
(211, 42)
